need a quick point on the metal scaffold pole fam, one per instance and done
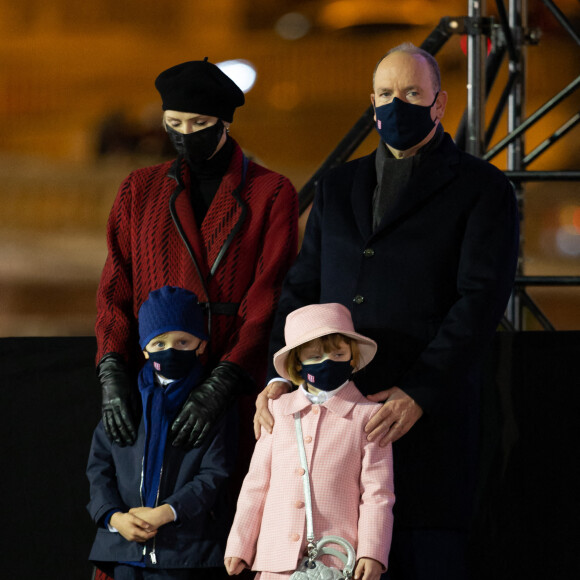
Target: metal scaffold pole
(515, 153)
(476, 53)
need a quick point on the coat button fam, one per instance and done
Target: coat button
(358, 299)
(294, 537)
(315, 410)
(300, 471)
(307, 439)
(299, 504)
(369, 253)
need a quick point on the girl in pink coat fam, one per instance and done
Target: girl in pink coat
(351, 479)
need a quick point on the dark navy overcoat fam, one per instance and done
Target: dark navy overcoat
(430, 286)
(193, 482)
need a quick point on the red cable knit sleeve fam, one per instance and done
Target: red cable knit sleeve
(115, 323)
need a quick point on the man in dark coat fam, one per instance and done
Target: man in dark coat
(420, 241)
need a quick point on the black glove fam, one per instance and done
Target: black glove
(117, 388)
(207, 403)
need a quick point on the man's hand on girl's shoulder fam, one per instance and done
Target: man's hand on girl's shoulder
(263, 417)
(395, 418)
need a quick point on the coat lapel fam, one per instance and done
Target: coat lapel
(342, 403)
(185, 220)
(363, 186)
(435, 171)
(224, 213)
(293, 403)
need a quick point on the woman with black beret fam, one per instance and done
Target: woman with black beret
(211, 221)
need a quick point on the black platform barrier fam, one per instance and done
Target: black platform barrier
(528, 523)
(529, 516)
(50, 403)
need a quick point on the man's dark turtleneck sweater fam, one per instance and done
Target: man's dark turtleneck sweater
(393, 174)
(206, 177)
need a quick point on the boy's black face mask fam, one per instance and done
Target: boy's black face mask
(174, 364)
(198, 146)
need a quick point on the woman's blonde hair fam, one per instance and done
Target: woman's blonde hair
(328, 342)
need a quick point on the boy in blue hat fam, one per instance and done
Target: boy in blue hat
(157, 505)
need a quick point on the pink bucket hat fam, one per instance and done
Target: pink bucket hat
(316, 320)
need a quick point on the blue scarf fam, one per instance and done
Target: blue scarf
(160, 407)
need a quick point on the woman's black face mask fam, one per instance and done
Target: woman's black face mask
(198, 146)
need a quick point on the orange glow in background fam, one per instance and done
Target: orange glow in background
(78, 111)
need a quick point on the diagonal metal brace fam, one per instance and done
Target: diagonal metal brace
(467, 25)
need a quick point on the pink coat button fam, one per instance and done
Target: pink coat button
(300, 471)
(308, 439)
(294, 537)
(315, 410)
(299, 504)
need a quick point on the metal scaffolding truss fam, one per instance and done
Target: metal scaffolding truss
(509, 37)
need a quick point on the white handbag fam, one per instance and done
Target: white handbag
(311, 568)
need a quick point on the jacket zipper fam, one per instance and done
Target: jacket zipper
(152, 553)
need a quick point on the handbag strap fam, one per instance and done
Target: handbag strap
(305, 481)
(314, 548)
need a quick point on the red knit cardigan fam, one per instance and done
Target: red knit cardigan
(258, 231)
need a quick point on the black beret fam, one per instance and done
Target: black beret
(199, 86)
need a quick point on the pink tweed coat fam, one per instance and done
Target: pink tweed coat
(351, 481)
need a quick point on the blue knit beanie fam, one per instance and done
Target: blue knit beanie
(170, 308)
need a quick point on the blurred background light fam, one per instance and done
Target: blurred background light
(569, 218)
(568, 243)
(292, 26)
(79, 111)
(567, 238)
(241, 71)
(362, 13)
(576, 219)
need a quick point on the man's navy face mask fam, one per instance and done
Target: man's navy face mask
(174, 364)
(199, 145)
(326, 375)
(402, 125)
